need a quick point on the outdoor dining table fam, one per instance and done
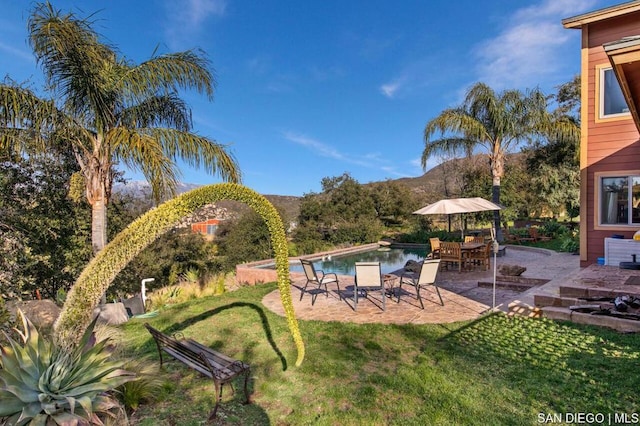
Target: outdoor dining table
(466, 249)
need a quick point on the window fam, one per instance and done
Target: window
(612, 102)
(620, 200)
(211, 229)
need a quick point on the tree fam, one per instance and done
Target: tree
(243, 240)
(497, 122)
(44, 234)
(108, 110)
(554, 164)
(393, 201)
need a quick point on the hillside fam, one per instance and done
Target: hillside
(428, 187)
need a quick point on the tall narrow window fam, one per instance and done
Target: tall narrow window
(612, 102)
(614, 200)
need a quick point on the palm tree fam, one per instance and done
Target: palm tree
(109, 111)
(495, 122)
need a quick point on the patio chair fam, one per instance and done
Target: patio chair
(317, 276)
(368, 278)
(426, 278)
(435, 247)
(509, 237)
(481, 257)
(533, 233)
(473, 239)
(451, 253)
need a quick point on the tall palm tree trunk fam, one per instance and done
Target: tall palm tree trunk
(495, 197)
(98, 225)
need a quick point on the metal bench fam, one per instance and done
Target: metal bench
(212, 364)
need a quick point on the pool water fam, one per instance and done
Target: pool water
(390, 260)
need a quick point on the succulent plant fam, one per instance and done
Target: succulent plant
(41, 382)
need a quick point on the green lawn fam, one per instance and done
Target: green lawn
(493, 371)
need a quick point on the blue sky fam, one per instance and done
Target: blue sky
(310, 89)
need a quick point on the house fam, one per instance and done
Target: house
(206, 227)
(610, 138)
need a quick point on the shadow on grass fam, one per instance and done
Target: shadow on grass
(174, 328)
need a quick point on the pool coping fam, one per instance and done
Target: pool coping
(251, 273)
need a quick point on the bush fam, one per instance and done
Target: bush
(570, 242)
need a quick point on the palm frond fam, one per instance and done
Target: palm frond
(167, 110)
(168, 73)
(199, 152)
(74, 62)
(25, 119)
(141, 151)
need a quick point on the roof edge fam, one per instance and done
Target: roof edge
(601, 14)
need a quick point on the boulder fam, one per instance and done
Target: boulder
(511, 270)
(111, 313)
(412, 266)
(42, 313)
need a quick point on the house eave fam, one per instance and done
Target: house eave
(624, 56)
(576, 22)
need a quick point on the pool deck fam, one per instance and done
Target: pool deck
(463, 298)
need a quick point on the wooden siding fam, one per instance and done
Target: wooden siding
(613, 145)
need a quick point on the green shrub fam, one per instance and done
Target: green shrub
(570, 242)
(147, 386)
(42, 383)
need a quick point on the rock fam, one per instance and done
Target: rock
(42, 313)
(412, 266)
(111, 313)
(511, 270)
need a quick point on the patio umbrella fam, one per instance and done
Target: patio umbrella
(450, 206)
(465, 205)
(458, 205)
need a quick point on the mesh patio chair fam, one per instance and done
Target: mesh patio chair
(368, 279)
(317, 276)
(427, 277)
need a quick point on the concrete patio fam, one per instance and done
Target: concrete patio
(463, 298)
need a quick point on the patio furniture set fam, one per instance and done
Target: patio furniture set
(473, 253)
(369, 279)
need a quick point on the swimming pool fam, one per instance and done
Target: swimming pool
(391, 259)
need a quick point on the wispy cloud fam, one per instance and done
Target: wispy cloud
(317, 147)
(528, 49)
(188, 17)
(413, 75)
(390, 89)
(373, 160)
(21, 54)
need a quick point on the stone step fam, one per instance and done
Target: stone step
(565, 314)
(578, 291)
(507, 285)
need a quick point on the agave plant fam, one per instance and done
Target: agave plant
(41, 383)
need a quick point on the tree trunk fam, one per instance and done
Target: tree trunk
(496, 160)
(495, 197)
(99, 231)
(98, 225)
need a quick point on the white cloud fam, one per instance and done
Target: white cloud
(319, 148)
(390, 89)
(373, 160)
(187, 17)
(22, 54)
(528, 49)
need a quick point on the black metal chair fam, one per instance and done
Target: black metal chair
(318, 277)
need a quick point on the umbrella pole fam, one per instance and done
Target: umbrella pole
(495, 247)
